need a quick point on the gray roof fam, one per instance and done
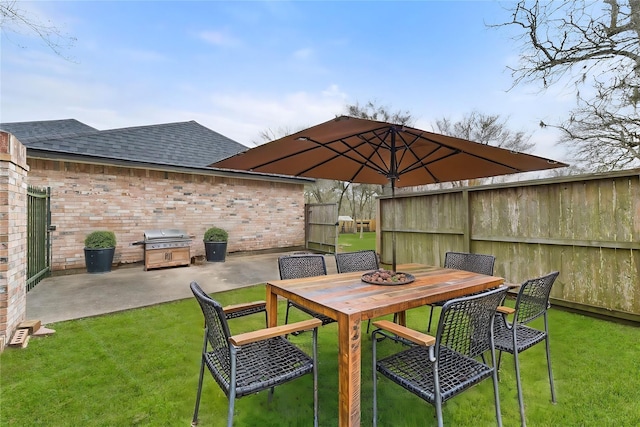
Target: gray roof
(32, 131)
(185, 144)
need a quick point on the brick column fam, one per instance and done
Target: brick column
(13, 235)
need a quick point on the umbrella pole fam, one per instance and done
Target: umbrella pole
(393, 225)
(393, 175)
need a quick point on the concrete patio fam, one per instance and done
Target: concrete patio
(75, 296)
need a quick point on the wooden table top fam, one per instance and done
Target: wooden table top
(346, 293)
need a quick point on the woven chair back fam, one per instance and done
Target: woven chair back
(476, 263)
(347, 262)
(217, 331)
(533, 298)
(299, 266)
(465, 323)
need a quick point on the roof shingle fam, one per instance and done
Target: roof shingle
(186, 144)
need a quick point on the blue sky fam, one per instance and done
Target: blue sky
(244, 67)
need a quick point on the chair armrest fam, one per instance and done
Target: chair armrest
(406, 333)
(263, 334)
(505, 310)
(255, 305)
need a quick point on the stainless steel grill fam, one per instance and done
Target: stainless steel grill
(166, 248)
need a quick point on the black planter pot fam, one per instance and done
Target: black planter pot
(98, 260)
(215, 251)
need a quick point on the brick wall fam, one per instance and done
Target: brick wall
(258, 215)
(13, 235)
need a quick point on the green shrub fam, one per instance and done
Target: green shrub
(215, 234)
(100, 240)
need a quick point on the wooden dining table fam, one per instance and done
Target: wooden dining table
(347, 299)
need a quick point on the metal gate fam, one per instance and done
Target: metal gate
(321, 227)
(38, 235)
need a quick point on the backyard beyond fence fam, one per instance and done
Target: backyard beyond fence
(587, 227)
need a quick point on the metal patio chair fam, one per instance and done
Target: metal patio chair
(298, 266)
(437, 369)
(476, 263)
(365, 260)
(251, 362)
(517, 336)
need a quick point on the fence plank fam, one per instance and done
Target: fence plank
(587, 227)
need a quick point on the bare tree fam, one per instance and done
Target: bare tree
(594, 46)
(489, 129)
(269, 135)
(363, 202)
(15, 20)
(322, 191)
(372, 111)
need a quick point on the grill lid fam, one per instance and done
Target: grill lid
(165, 234)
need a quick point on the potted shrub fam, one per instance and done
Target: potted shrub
(99, 248)
(215, 244)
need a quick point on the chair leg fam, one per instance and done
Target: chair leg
(232, 386)
(438, 399)
(553, 392)
(375, 384)
(496, 394)
(523, 421)
(430, 318)
(232, 401)
(498, 365)
(315, 377)
(368, 326)
(286, 316)
(194, 421)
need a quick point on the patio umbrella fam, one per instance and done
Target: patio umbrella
(373, 152)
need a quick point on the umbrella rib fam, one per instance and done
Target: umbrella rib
(318, 146)
(337, 154)
(459, 151)
(418, 163)
(277, 159)
(384, 170)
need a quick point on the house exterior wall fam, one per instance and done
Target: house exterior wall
(259, 215)
(13, 235)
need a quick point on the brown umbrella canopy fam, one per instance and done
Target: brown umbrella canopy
(373, 152)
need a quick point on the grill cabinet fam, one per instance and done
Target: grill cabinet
(166, 248)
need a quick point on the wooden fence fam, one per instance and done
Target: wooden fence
(587, 227)
(321, 227)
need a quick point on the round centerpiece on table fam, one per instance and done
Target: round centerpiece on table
(387, 277)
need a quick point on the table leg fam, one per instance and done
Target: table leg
(349, 335)
(272, 307)
(402, 318)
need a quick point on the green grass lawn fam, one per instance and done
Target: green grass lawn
(140, 368)
(351, 242)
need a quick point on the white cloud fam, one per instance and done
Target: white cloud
(244, 116)
(304, 53)
(218, 38)
(143, 55)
